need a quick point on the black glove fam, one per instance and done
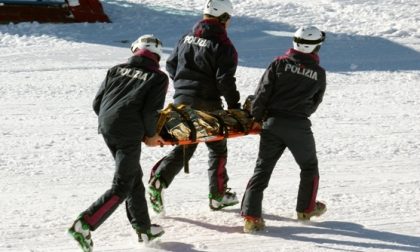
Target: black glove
(235, 106)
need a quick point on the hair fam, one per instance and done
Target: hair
(222, 18)
(316, 49)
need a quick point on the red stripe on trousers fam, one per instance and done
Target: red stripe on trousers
(311, 206)
(220, 175)
(93, 220)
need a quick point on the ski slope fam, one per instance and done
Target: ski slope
(53, 164)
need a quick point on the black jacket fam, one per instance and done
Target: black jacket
(129, 98)
(203, 66)
(292, 86)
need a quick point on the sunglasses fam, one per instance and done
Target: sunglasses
(310, 42)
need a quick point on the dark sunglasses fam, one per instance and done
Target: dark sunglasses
(310, 42)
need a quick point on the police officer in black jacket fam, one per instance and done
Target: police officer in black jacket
(202, 66)
(127, 106)
(290, 90)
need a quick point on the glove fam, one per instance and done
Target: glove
(234, 106)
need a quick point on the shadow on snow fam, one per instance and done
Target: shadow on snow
(335, 232)
(258, 41)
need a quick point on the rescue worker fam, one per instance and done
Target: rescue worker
(202, 67)
(288, 93)
(127, 106)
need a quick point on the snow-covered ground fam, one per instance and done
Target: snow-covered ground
(53, 164)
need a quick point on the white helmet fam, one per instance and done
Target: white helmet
(307, 39)
(148, 42)
(216, 8)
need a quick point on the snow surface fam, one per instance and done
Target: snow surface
(53, 165)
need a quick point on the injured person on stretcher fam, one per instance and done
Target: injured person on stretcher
(181, 125)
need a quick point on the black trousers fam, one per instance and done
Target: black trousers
(127, 185)
(277, 135)
(168, 167)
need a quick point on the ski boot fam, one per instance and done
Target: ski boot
(219, 202)
(150, 234)
(253, 224)
(80, 231)
(320, 209)
(155, 194)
